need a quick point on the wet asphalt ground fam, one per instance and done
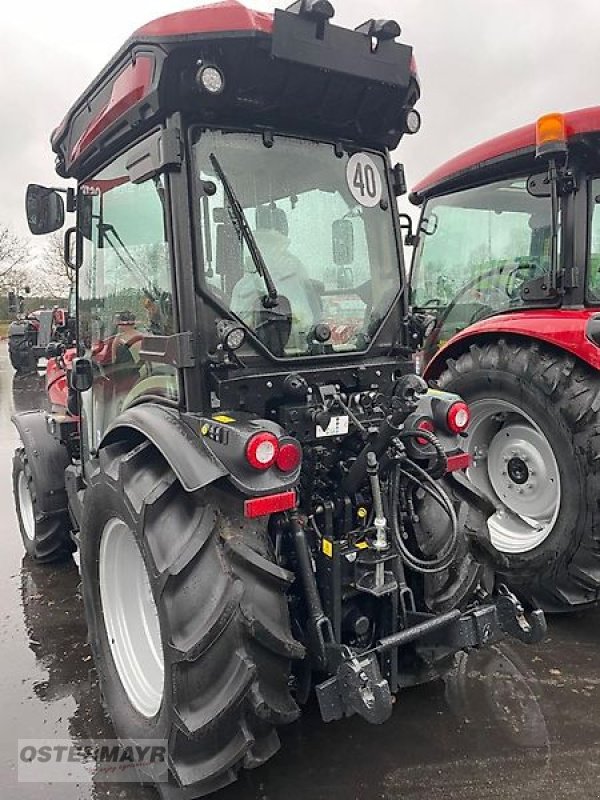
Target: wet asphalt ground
(514, 723)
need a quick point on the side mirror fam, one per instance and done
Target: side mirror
(45, 209)
(82, 375)
(342, 239)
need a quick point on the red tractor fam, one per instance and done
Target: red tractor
(266, 498)
(30, 335)
(506, 277)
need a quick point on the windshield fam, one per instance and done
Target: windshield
(322, 224)
(477, 250)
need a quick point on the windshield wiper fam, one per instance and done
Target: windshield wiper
(133, 267)
(271, 299)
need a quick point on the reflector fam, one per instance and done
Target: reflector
(271, 504)
(458, 461)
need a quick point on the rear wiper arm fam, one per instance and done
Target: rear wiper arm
(271, 299)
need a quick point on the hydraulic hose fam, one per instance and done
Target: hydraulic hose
(442, 561)
(441, 465)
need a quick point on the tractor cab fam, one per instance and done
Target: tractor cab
(236, 204)
(503, 227)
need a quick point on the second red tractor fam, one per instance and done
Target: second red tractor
(506, 275)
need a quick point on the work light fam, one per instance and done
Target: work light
(211, 79)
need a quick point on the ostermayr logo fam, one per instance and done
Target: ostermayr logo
(65, 761)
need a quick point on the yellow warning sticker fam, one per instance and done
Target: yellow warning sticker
(328, 548)
(224, 419)
(361, 545)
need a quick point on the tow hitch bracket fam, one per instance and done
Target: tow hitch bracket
(357, 688)
(513, 621)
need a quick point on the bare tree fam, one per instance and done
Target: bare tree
(51, 276)
(14, 259)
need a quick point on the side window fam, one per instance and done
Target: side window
(125, 292)
(593, 269)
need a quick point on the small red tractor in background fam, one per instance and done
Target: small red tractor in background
(31, 335)
(506, 277)
(266, 498)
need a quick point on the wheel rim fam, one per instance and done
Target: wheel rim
(131, 618)
(514, 465)
(26, 506)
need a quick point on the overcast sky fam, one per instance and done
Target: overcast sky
(485, 66)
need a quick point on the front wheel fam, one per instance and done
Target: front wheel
(46, 536)
(188, 621)
(21, 355)
(535, 453)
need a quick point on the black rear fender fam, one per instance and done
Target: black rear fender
(194, 457)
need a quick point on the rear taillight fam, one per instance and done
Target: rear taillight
(289, 456)
(458, 417)
(425, 425)
(262, 450)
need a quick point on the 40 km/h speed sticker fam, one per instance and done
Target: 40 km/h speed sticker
(364, 180)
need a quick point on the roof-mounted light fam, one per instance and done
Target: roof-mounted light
(320, 10)
(382, 29)
(551, 134)
(210, 78)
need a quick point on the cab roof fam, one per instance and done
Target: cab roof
(491, 158)
(283, 71)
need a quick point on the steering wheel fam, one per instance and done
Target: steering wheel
(511, 290)
(120, 343)
(513, 286)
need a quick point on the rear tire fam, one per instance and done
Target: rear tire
(224, 640)
(46, 536)
(21, 355)
(557, 564)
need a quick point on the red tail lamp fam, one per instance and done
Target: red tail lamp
(289, 456)
(425, 425)
(262, 450)
(458, 417)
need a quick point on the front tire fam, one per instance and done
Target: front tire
(21, 355)
(535, 443)
(46, 536)
(212, 675)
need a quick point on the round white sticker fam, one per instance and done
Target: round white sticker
(364, 180)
